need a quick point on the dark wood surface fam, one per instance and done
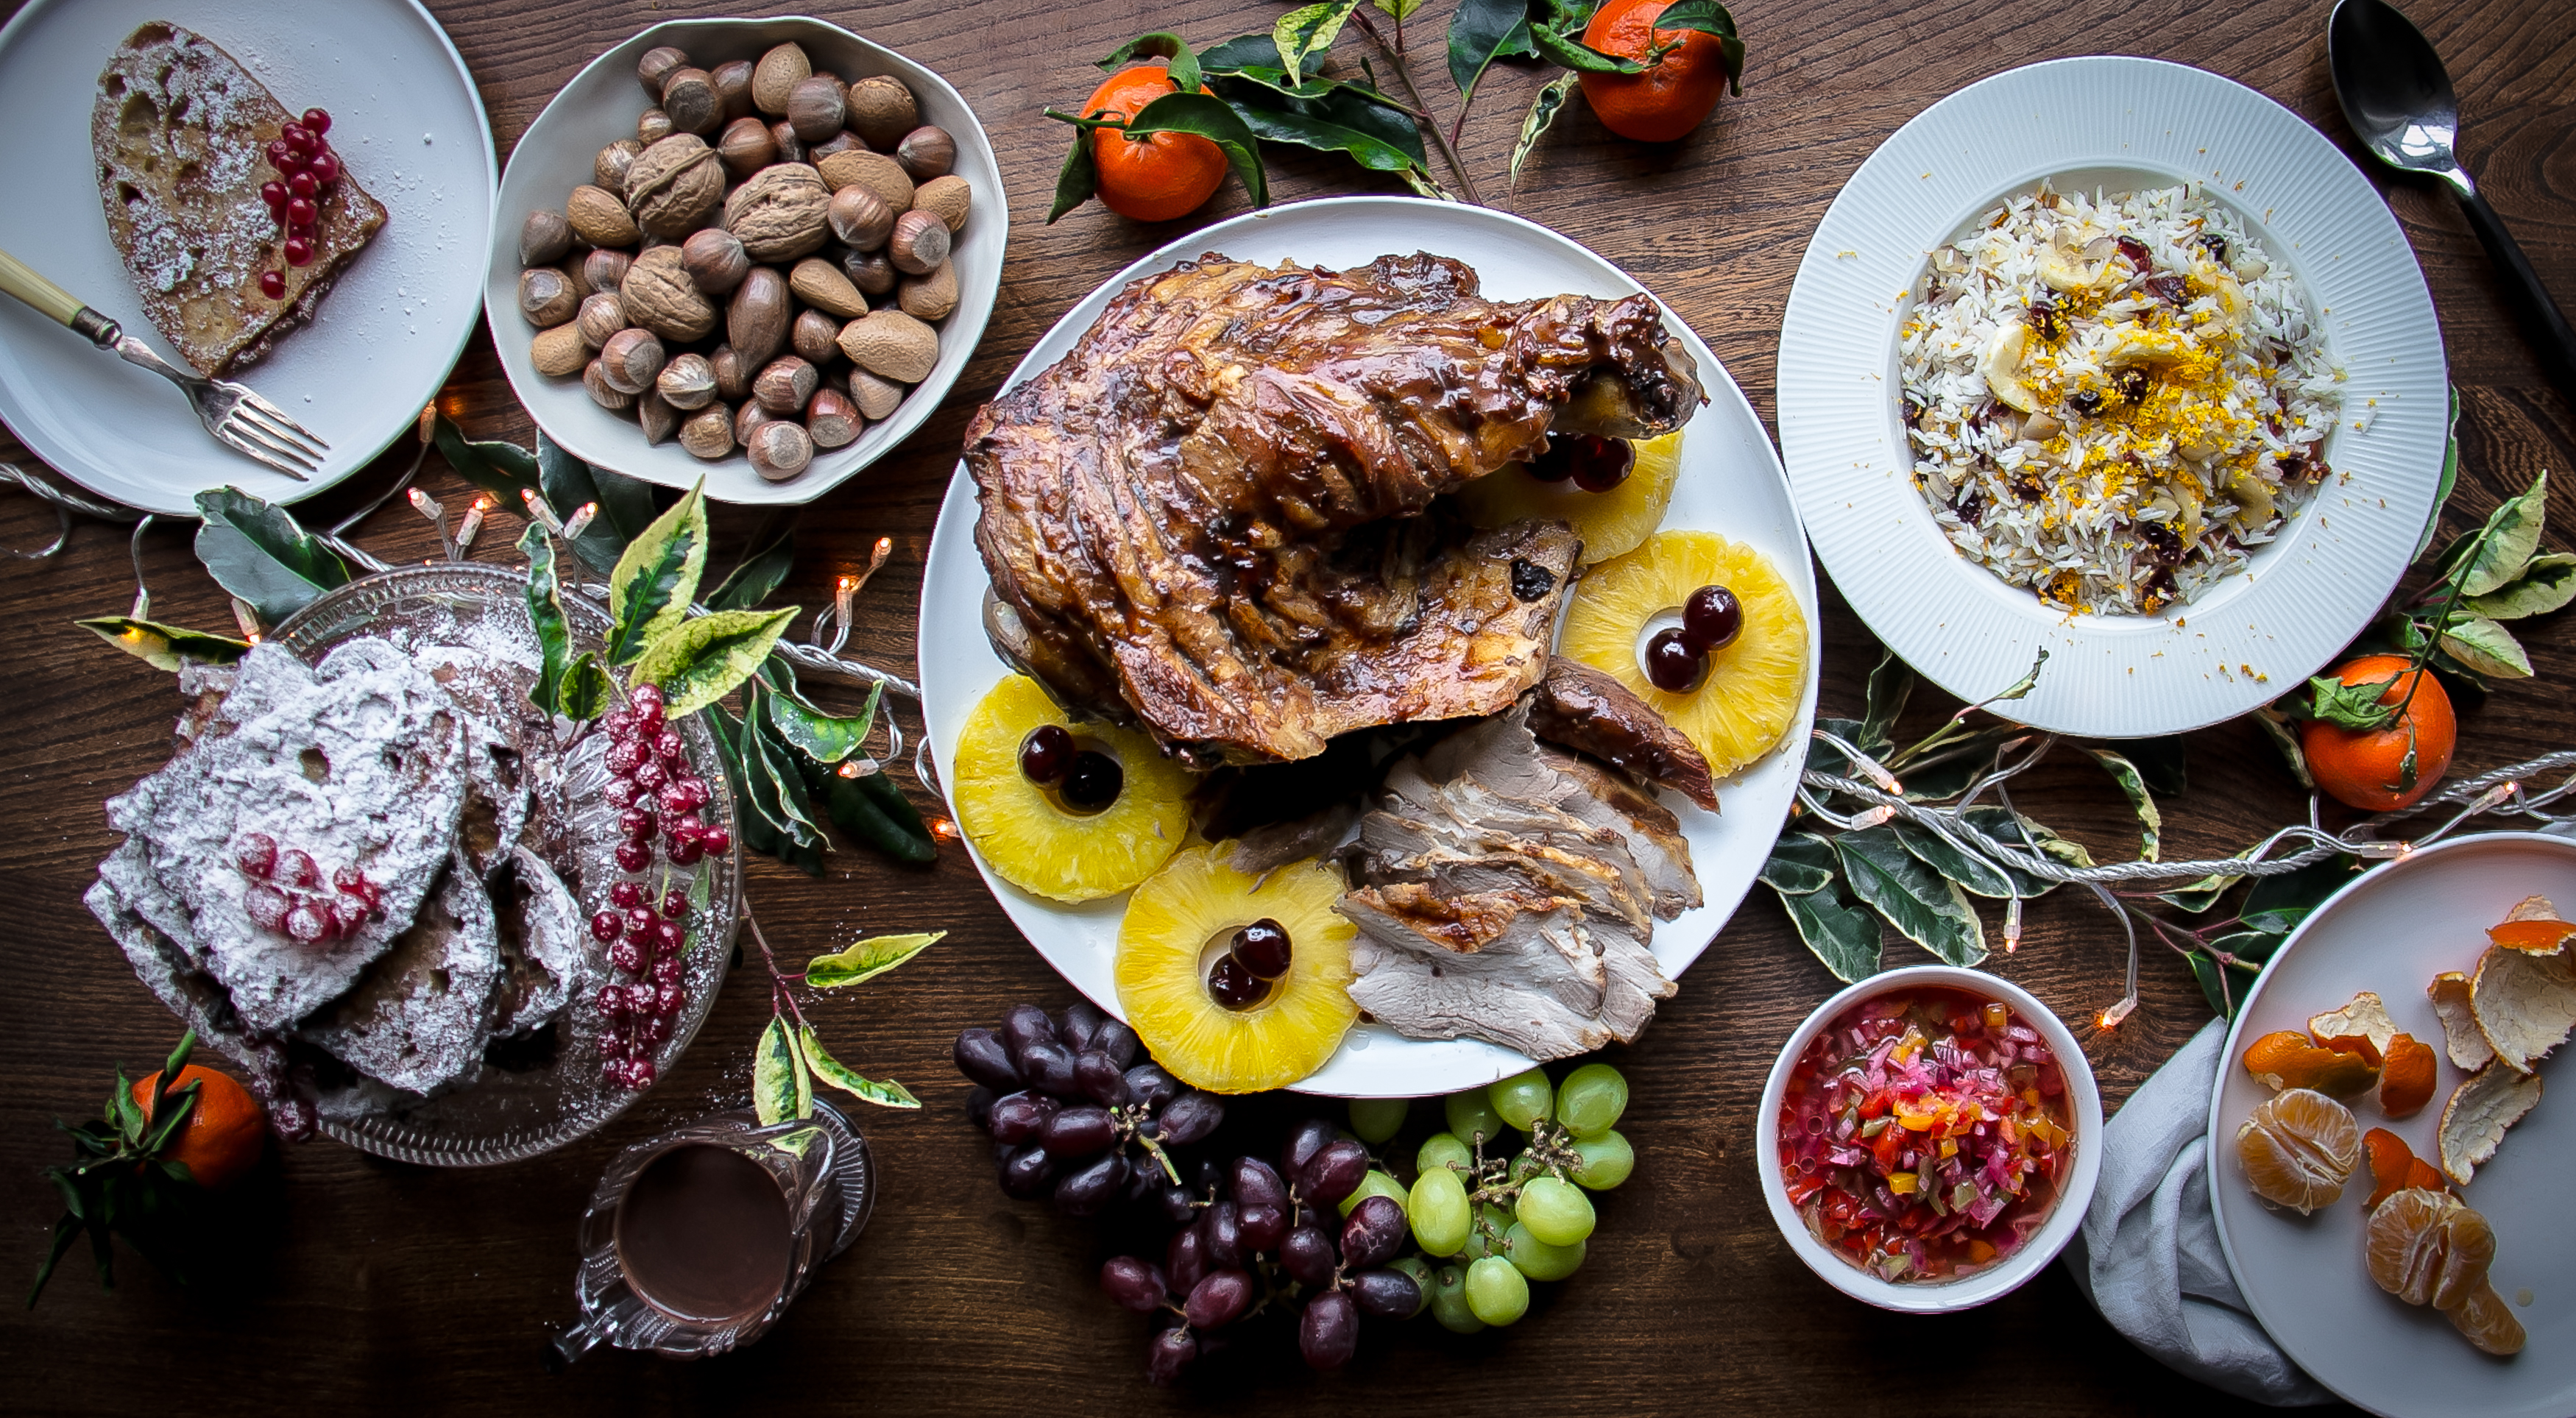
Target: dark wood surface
(380, 1287)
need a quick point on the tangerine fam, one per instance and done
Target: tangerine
(1157, 177)
(2406, 1080)
(1677, 89)
(2297, 1148)
(224, 1133)
(2289, 1059)
(2367, 770)
(2425, 1248)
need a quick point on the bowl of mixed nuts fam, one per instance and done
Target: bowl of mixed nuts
(754, 251)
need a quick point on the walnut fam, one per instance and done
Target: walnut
(882, 110)
(779, 213)
(598, 217)
(676, 186)
(659, 296)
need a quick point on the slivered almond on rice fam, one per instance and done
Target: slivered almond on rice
(2111, 401)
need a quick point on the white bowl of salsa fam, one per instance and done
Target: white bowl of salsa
(1932, 1137)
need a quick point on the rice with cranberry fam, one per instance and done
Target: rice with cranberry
(2110, 400)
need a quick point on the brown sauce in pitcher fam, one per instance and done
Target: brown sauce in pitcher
(703, 1235)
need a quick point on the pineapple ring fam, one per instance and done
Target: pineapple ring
(1028, 838)
(1754, 684)
(1612, 523)
(1162, 986)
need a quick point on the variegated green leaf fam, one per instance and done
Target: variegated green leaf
(1304, 34)
(656, 578)
(1891, 683)
(1844, 937)
(1402, 10)
(704, 659)
(1542, 114)
(1801, 863)
(2512, 534)
(780, 1086)
(1973, 873)
(777, 788)
(2486, 647)
(258, 552)
(585, 690)
(2151, 823)
(2286, 739)
(1924, 908)
(819, 736)
(2548, 582)
(546, 613)
(888, 1094)
(164, 647)
(2450, 477)
(867, 959)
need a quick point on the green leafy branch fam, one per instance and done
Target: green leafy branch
(790, 1055)
(118, 1182)
(1483, 32)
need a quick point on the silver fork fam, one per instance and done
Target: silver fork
(240, 419)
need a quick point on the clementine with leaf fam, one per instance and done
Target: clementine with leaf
(1156, 177)
(1685, 72)
(2367, 768)
(224, 1133)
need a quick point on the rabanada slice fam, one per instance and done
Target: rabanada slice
(181, 132)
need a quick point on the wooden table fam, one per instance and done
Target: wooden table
(382, 1287)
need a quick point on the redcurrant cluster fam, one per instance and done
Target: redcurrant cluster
(285, 894)
(657, 798)
(307, 169)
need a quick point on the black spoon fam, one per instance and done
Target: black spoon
(2399, 101)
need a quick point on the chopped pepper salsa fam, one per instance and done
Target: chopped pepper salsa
(1923, 1134)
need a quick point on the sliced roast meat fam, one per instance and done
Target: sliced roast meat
(1585, 710)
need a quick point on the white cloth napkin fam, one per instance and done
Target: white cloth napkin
(2149, 1254)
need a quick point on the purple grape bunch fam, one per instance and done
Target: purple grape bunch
(1073, 1114)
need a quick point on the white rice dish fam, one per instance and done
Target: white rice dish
(2111, 401)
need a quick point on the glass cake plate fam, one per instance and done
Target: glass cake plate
(530, 1098)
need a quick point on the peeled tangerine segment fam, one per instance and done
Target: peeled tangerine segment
(1199, 901)
(1610, 523)
(2524, 1004)
(2480, 1110)
(2298, 1148)
(1030, 838)
(2485, 1320)
(2425, 1248)
(2460, 1037)
(1754, 683)
(2365, 1016)
(2288, 1059)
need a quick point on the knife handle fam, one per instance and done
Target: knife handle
(55, 303)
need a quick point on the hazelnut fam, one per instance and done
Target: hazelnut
(676, 186)
(790, 147)
(860, 219)
(630, 360)
(546, 297)
(819, 283)
(659, 419)
(815, 107)
(611, 164)
(605, 269)
(919, 243)
(656, 66)
(604, 394)
(780, 450)
(708, 433)
(832, 421)
(599, 217)
(877, 398)
(746, 147)
(949, 196)
(870, 271)
(544, 237)
(654, 125)
(815, 336)
(930, 297)
(747, 419)
(733, 85)
(892, 344)
(777, 73)
(559, 351)
(756, 321)
(882, 110)
(687, 382)
(779, 213)
(580, 283)
(875, 171)
(733, 378)
(689, 96)
(785, 383)
(927, 152)
(844, 141)
(714, 260)
(659, 296)
(602, 315)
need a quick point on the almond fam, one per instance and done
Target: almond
(875, 171)
(930, 297)
(598, 217)
(776, 75)
(892, 344)
(559, 352)
(951, 197)
(820, 284)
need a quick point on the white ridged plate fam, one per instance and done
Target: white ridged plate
(1730, 483)
(2116, 123)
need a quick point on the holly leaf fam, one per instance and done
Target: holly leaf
(1801, 864)
(1971, 872)
(2485, 647)
(164, 647)
(707, 658)
(2548, 582)
(759, 575)
(2151, 823)
(656, 577)
(256, 551)
(1709, 18)
(780, 1086)
(2450, 478)
(888, 1094)
(1924, 908)
(1542, 114)
(1845, 938)
(866, 959)
(505, 470)
(1183, 66)
(2512, 533)
(1306, 33)
(1481, 32)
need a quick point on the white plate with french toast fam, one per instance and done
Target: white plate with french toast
(166, 109)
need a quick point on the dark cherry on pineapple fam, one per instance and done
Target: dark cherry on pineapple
(306, 170)
(1257, 956)
(1046, 753)
(285, 893)
(657, 796)
(1594, 464)
(1085, 780)
(1677, 656)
